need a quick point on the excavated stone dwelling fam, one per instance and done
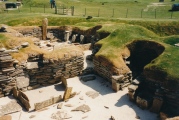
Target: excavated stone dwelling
(145, 92)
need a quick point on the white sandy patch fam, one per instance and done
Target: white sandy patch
(117, 104)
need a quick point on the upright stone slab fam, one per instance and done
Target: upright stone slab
(115, 86)
(157, 104)
(10, 107)
(22, 82)
(24, 100)
(67, 93)
(44, 28)
(66, 36)
(47, 103)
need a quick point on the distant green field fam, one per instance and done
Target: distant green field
(144, 9)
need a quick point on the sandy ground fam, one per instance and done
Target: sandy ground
(118, 104)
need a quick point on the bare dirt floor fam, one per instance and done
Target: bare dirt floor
(97, 94)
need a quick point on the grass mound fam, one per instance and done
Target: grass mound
(10, 42)
(163, 68)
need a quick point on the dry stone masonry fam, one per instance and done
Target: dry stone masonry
(7, 73)
(47, 72)
(150, 94)
(37, 72)
(119, 81)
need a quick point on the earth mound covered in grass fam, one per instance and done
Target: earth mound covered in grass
(155, 56)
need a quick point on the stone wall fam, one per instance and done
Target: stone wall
(38, 72)
(150, 94)
(48, 72)
(52, 33)
(7, 72)
(59, 33)
(30, 31)
(115, 75)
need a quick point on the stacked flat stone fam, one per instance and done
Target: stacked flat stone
(31, 31)
(102, 69)
(6, 67)
(172, 101)
(47, 72)
(162, 98)
(121, 81)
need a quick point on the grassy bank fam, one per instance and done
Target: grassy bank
(164, 68)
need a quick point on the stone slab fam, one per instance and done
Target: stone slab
(177, 45)
(32, 65)
(67, 93)
(84, 108)
(6, 117)
(24, 100)
(10, 107)
(132, 88)
(5, 70)
(92, 94)
(117, 77)
(22, 81)
(48, 102)
(44, 93)
(61, 115)
(5, 58)
(88, 78)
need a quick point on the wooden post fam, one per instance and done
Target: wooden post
(55, 9)
(44, 8)
(171, 14)
(113, 13)
(85, 11)
(63, 10)
(72, 10)
(98, 12)
(30, 8)
(141, 12)
(127, 13)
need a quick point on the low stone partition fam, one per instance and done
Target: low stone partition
(59, 33)
(119, 80)
(38, 72)
(33, 31)
(49, 72)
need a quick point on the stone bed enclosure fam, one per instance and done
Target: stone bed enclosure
(37, 71)
(147, 93)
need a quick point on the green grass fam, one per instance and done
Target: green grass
(166, 65)
(103, 8)
(2, 40)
